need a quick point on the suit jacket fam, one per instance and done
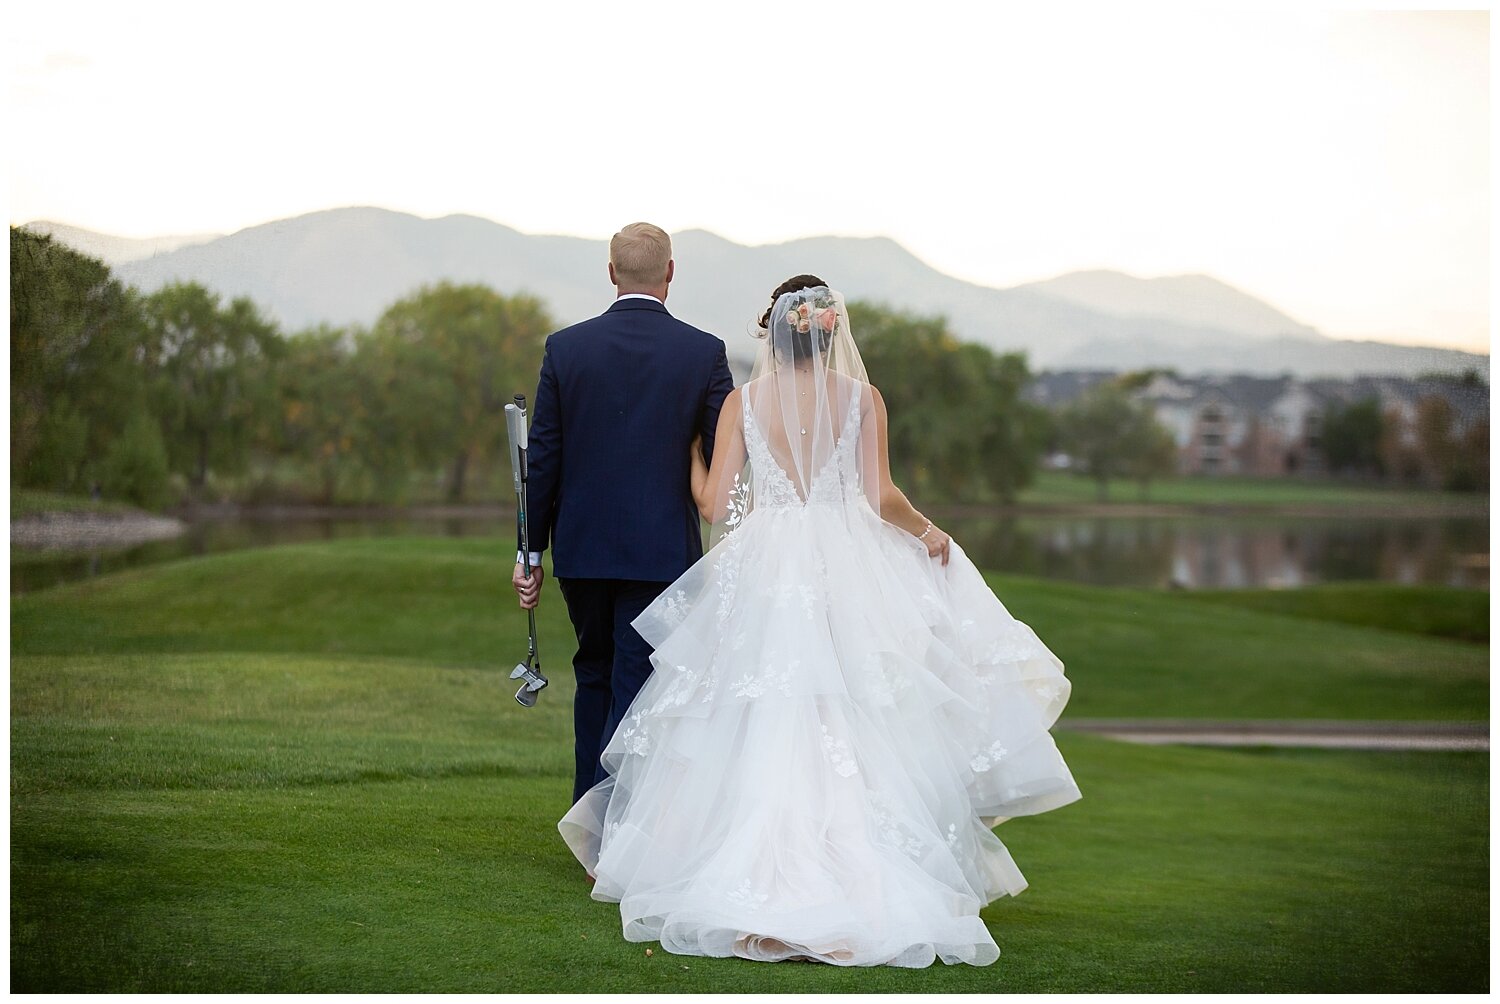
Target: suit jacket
(620, 398)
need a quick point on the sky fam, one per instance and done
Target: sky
(1334, 163)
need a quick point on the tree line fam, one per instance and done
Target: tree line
(178, 395)
(181, 396)
(1363, 440)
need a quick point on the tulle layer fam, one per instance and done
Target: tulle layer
(833, 724)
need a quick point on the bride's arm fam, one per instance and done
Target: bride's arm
(709, 489)
(895, 507)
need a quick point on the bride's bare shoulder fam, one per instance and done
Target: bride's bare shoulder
(845, 383)
(753, 389)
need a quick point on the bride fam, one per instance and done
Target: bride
(839, 709)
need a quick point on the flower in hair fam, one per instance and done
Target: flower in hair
(821, 311)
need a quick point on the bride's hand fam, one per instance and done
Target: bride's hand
(936, 540)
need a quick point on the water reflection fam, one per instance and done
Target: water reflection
(1205, 552)
(1162, 552)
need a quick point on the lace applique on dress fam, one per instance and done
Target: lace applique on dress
(685, 683)
(747, 897)
(1011, 646)
(727, 565)
(760, 682)
(838, 753)
(738, 504)
(883, 808)
(842, 461)
(772, 486)
(676, 607)
(637, 737)
(986, 759)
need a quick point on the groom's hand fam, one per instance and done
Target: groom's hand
(529, 590)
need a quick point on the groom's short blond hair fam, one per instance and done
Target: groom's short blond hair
(639, 253)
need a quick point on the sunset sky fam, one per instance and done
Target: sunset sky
(1335, 164)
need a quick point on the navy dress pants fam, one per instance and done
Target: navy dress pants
(611, 666)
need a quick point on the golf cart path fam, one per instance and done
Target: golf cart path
(1326, 733)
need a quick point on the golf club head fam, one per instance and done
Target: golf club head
(534, 681)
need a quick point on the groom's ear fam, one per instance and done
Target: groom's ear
(612, 280)
(671, 267)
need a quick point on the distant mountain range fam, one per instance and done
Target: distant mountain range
(116, 250)
(345, 266)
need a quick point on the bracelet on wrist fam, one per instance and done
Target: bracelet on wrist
(924, 533)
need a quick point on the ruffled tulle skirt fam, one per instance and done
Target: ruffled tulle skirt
(834, 723)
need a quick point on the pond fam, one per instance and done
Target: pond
(1158, 552)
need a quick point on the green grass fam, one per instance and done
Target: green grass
(301, 769)
(1062, 487)
(448, 601)
(1142, 653)
(30, 501)
(1462, 614)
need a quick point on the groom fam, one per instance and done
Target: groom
(620, 398)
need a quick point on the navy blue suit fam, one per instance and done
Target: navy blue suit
(620, 398)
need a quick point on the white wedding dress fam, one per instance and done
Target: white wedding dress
(834, 722)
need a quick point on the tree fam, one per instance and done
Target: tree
(1448, 459)
(1472, 472)
(1116, 436)
(136, 466)
(386, 433)
(1139, 379)
(1014, 432)
(1470, 377)
(1399, 458)
(59, 445)
(1150, 450)
(1099, 427)
(212, 371)
(323, 403)
(958, 426)
(446, 360)
(1435, 441)
(1352, 436)
(73, 382)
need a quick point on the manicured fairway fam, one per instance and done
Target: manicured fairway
(1462, 614)
(448, 601)
(301, 769)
